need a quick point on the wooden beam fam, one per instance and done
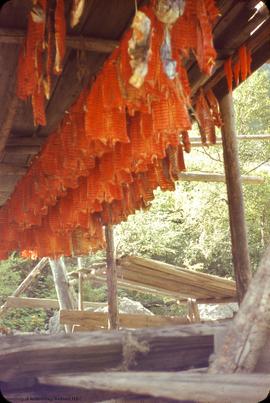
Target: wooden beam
(197, 142)
(9, 169)
(113, 320)
(16, 37)
(11, 106)
(171, 348)
(247, 335)
(216, 177)
(240, 252)
(26, 282)
(167, 385)
(25, 302)
(62, 286)
(27, 150)
(46, 303)
(89, 321)
(26, 141)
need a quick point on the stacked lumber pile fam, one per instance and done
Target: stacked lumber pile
(155, 277)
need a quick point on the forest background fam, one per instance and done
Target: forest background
(187, 228)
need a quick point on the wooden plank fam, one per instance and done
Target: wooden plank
(26, 282)
(184, 274)
(170, 348)
(177, 386)
(81, 42)
(111, 273)
(46, 303)
(240, 252)
(137, 286)
(215, 177)
(181, 283)
(97, 320)
(247, 334)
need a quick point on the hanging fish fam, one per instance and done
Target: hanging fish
(139, 48)
(169, 65)
(168, 11)
(76, 12)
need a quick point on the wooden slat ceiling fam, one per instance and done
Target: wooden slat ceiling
(107, 20)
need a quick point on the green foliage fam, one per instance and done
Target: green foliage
(12, 272)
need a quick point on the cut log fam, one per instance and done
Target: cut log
(177, 386)
(247, 335)
(240, 252)
(113, 320)
(89, 321)
(26, 282)
(171, 348)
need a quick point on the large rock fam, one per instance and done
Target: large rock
(218, 311)
(126, 305)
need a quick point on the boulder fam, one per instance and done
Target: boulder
(217, 311)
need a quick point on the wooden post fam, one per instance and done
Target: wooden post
(193, 310)
(62, 286)
(113, 320)
(80, 285)
(26, 282)
(240, 251)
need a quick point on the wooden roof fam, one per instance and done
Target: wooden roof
(101, 26)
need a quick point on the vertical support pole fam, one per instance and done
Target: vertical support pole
(240, 251)
(62, 287)
(80, 285)
(113, 320)
(193, 310)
